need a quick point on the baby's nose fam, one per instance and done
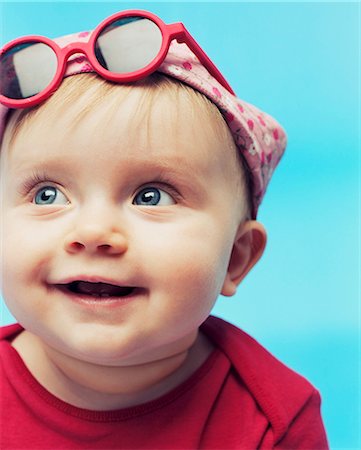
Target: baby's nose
(93, 238)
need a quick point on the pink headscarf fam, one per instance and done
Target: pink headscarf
(259, 138)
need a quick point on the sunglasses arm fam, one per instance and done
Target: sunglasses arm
(180, 33)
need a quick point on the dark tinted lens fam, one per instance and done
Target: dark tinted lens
(128, 44)
(26, 70)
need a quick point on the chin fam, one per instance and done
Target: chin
(99, 349)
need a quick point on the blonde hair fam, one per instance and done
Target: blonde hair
(78, 95)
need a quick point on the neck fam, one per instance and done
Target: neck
(98, 387)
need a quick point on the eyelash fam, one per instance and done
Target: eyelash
(160, 183)
(40, 178)
(35, 180)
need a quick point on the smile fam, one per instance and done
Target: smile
(96, 290)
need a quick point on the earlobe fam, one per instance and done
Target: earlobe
(229, 288)
(248, 247)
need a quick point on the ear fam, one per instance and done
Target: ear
(248, 247)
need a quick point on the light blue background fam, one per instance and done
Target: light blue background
(301, 63)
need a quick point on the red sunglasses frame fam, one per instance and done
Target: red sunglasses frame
(169, 32)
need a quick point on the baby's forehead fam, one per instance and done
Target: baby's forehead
(168, 123)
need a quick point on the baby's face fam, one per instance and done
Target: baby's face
(116, 239)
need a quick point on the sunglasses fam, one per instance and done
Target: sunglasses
(125, 47)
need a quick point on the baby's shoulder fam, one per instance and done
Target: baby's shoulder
(279, 391)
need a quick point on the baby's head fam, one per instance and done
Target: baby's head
(126, 207)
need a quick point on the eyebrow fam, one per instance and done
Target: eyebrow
(176, 167)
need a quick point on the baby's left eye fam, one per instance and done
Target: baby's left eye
(49, 195)
(151, 196)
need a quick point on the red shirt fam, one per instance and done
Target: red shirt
(240, 398)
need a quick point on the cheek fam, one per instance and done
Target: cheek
(26, 248)
(26, 258)
(190, 257)
(24, 245)
(185, 271)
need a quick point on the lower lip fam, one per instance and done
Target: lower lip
(96, 302)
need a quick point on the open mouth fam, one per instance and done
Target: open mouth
(96, 290)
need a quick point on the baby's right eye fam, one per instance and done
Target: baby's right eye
(49, 195)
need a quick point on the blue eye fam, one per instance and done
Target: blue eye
(50, 195)
(151, 196)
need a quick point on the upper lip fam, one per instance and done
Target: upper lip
(89, 279)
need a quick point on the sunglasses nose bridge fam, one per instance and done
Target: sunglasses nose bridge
(74, 48)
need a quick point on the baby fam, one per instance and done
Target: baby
(129, 196)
